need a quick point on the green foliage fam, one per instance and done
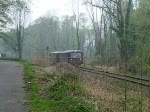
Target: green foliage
(30, 73)
(134, 65)
(69, 77)
(10, 39)
(43, 106)
(48, 76)
(4, 9)
(66, 95)
(14, 11)
(10, 59)
(98, 57)
(140, 29)
(68, 104)
(61, 89)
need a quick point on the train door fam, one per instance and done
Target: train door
(68, 57)
(57, 58)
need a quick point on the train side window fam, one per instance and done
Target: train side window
(68, 55)
(75, 55)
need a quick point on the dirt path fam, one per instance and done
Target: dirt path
(11, 92)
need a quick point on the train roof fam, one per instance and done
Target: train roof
(68, 51)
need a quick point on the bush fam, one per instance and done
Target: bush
(10, 59)
(65, 95)
(69, 94)
(134, 66)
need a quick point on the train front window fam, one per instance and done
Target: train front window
(75, 55)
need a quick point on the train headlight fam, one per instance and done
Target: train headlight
(71, 59)
(80, 59)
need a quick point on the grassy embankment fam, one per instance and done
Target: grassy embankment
(110, 94)
(55, 93)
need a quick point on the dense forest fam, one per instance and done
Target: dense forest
(114, 36)
(113, 32)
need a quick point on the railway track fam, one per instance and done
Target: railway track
(137, 80)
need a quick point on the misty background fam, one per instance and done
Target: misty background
(111, 32)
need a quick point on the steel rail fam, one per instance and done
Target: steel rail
(143, 82)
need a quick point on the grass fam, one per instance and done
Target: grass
(66, 94)
(109, 94)
(52, 92)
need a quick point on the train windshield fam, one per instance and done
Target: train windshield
(75, 55)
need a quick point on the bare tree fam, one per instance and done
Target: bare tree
(120, 18)
(76, 12)
(20, 14)
(97, 26)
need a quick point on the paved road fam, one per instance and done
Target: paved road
(11, 92)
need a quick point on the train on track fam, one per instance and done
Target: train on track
(74, 57)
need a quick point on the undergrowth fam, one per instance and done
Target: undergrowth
(65, 95)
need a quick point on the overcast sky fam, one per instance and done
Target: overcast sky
(56, 7)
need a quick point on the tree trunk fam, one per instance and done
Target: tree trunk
(19, 36)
